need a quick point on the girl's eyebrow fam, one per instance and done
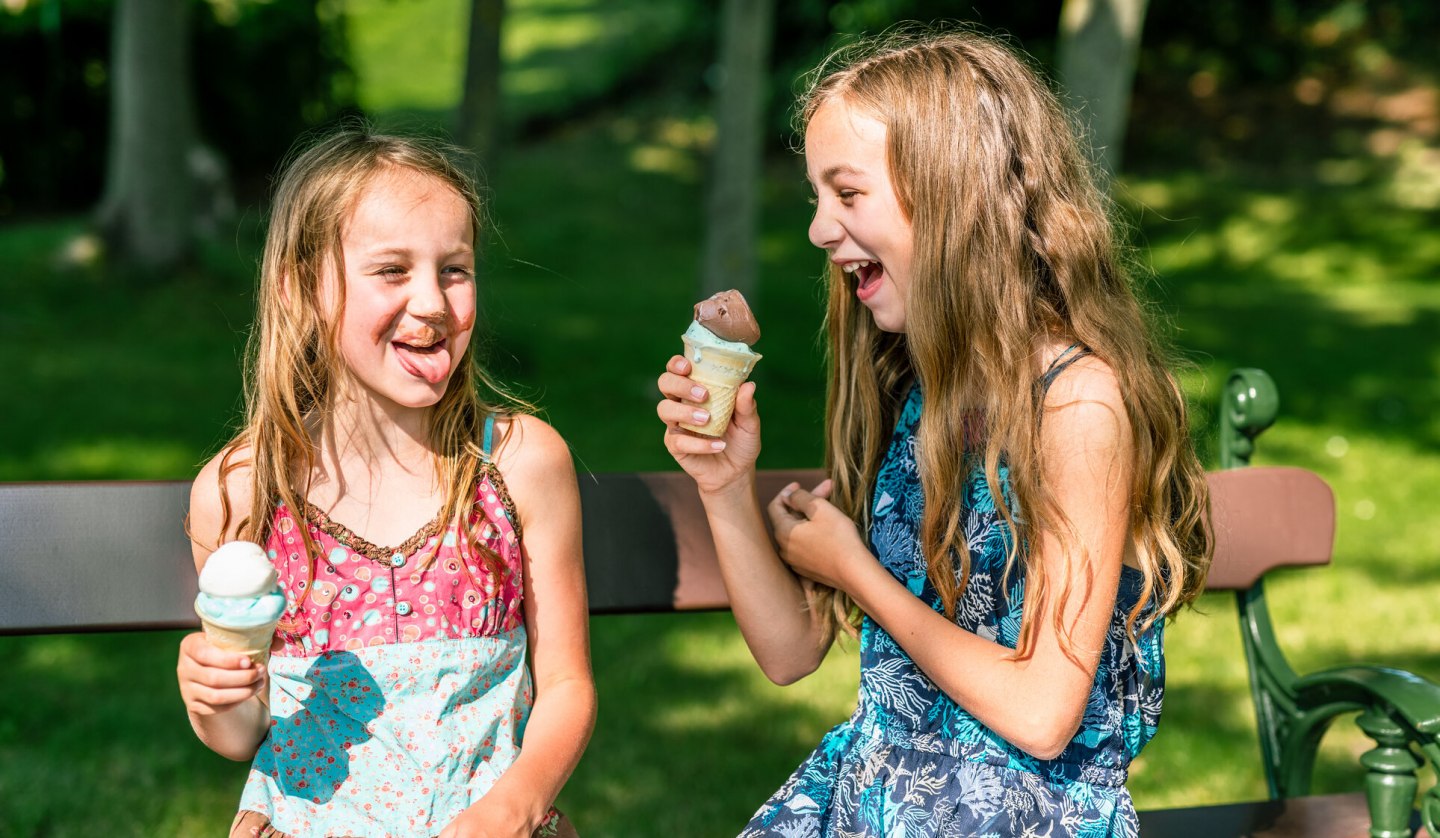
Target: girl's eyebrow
(399, 251)
(829, 175)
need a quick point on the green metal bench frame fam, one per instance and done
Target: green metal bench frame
(1400, 711)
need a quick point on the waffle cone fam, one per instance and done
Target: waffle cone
(253, 641)
(721, 372)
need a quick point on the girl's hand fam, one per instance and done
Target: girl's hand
(814, 536)
(212, 680)
(491, 816)
(715, 464)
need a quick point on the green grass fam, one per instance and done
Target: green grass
(1331, 288)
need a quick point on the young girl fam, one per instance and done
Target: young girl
(1009, 444)
(439, 685)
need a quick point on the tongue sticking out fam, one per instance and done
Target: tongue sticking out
(431, 363)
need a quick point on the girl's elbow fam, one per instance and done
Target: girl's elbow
(785, 673)
(1046, 739)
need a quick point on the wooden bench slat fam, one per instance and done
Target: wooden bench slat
(110, 556)
(1267, 517)
(1318, 816)
(94, 557)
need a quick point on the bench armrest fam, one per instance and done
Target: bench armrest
(1412, 699)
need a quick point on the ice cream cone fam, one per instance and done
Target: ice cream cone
(721, 372)
(253, 641)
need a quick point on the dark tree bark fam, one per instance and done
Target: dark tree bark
(733, 204)
(146, 214)
(1098, 44)
(478, 124)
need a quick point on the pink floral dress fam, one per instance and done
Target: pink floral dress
(402, 690)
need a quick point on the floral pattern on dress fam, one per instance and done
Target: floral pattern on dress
(911, 762)
(402, 689)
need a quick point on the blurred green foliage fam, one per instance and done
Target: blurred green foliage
(263, 72)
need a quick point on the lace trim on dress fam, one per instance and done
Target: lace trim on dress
(374, 552)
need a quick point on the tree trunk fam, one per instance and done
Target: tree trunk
(478, 123)
(1099, 41)
(733, 206)
(146, 212)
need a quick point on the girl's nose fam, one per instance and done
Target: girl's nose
(825, 233)
(427, 300)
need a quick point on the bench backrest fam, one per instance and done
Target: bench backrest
(113, 556)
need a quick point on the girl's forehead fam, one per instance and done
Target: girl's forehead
(400, 189)
(842, 135)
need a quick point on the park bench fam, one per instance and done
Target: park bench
(648, 549)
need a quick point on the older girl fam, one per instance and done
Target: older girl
(1013, 507)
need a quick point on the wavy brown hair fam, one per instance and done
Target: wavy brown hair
(1013, 246)
(293, 364)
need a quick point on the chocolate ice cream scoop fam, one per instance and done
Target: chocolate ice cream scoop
(727, 315)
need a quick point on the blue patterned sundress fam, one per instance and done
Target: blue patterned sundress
(911, 762)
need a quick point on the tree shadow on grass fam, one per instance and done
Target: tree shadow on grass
(686, 744)
(1331, 290)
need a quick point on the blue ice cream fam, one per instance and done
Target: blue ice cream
(239, 588)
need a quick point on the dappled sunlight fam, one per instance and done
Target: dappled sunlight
(104, 459)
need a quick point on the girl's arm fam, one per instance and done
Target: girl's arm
(770, 603)
(222, 690)
(1037, 702)
(536, 466)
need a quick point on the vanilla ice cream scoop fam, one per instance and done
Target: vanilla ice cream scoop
(240, 598)
(237, 569)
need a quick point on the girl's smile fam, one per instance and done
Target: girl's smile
(858, 218)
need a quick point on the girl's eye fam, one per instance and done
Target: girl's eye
(458, 271)
(847, 194)
(391, 271)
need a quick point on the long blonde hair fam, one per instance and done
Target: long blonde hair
(1012, 243)
(293, 359)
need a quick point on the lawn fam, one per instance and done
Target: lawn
(1331, 283)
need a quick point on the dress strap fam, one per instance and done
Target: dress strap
(1062, 362)
(489, 436)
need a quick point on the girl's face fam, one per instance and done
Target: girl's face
(409, 277)
(858, 219)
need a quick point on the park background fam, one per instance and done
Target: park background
(1279, 186)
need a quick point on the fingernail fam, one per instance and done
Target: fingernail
(718, 445)
(700, 417)
(697, 393)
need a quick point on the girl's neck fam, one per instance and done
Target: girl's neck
(356, 424)
(375, 471)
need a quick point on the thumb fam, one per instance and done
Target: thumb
(745, 399)
(801, 501)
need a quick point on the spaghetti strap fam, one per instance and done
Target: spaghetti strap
(489, 436)
(1062, 362)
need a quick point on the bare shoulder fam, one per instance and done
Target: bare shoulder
(534, 460)
(225, 479)
(1085, 401)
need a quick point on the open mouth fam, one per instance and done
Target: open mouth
(427, 360)
(866, 273)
